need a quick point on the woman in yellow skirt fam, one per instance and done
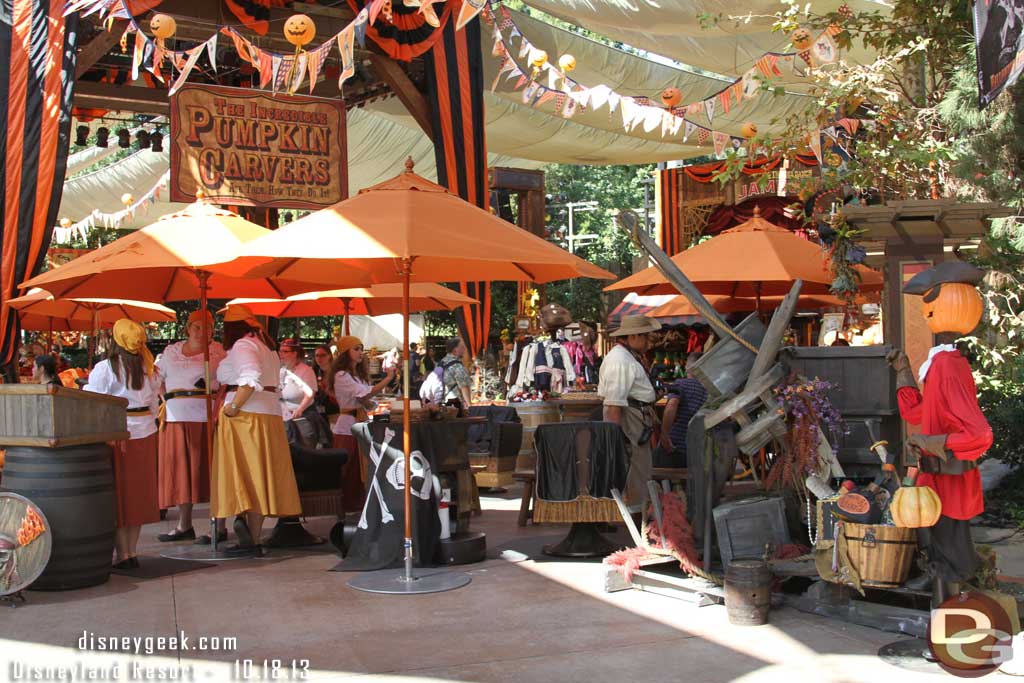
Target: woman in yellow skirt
(252, 466)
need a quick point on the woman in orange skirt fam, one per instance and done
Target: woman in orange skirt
(128, 372)
(252, 465)
(184, 456)
(354, 393)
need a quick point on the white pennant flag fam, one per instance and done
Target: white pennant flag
(529, 91)
(629, 108)
(652, 117)
(211, 51)
(524, 48)
(599, 96)
(751, 84)
(677, 123)
(190, 63)
(346, 45)
(721, 140)
(613, 101)
(688, 128)
(709, 108)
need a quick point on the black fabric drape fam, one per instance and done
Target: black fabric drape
(38, 47)
(576, 458)
(481, 436)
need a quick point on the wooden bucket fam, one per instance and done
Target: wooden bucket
(532, 414)
(748, 592)
(74, 487)
(881, 554)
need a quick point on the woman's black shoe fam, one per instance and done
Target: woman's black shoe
(124, 564)
(135, 562)
(177, 535)
(242, 532)
(242, 550)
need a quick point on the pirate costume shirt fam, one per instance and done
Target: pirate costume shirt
(948, 404)
(624, 383)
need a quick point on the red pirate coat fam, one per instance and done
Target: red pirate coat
(948, 404)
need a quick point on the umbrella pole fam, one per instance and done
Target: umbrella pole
(406, 417)
(348, 316)
(49, 336)
(93, 346)
(204, 276)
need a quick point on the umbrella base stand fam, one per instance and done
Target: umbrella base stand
(394, 582)
(202, 553)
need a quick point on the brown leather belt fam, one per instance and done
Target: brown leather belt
(234, 387)
(351, 411)
(139, 411)
(182, 393)
(933, 465)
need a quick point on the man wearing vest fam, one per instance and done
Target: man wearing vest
(629, 397)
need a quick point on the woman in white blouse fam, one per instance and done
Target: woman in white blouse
(298, 387)
(184, 457)
(128, 372)
(252, 466)
(354, 393)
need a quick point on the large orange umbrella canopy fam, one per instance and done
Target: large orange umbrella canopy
(38, 310)
(446, 238)
(374, 300)
(754, 259)
(160, 262)
(681, 306)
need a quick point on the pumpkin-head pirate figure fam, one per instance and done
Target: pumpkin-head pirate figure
(943, 401)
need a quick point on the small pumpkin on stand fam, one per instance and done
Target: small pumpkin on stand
(915, 507)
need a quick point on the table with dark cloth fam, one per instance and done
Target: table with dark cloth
(575, 458)
(482, 435)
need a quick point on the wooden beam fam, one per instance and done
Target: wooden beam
(391, 73)
(121, 98)
(100, 45)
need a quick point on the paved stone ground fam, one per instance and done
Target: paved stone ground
(517, 621)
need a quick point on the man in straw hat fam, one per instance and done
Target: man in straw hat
(629, 399)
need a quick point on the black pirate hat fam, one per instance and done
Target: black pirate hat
(947, 271)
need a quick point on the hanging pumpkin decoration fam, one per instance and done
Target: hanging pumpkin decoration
(952, 307)
(127, 199)
(538, 58)
(671, 96)
(163, 27)
(749, 130)
(801, 39)
(299, 30)
(65, 222)
(915, 507)
(566, 63)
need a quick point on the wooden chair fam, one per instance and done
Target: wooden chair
(318, 475)
(675, 476)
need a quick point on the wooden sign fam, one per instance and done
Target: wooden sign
(256, 148)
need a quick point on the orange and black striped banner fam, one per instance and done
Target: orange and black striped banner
(455, 90)
(37, 49)
(667, 198)
(407, 35)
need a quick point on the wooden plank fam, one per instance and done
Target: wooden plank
(748, 396)
(395, 77)
(46, 442)
(772, 341)
(121, 98)
(99, 46)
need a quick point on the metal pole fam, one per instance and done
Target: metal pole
(207, 396)
(406, 417)
(348, 316)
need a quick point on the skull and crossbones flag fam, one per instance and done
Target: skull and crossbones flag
(380, 533)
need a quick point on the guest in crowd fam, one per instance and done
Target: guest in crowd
(323, 359)
(128, 372)
(298, 384)
(252, 467)
(685, 398)
(44, 370)
(184, 456)
(354, 393)
(457, 381)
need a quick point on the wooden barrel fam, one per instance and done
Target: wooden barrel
(748, 592)
(532, 414)
(580, 410)
(74, 487)
(881, 554)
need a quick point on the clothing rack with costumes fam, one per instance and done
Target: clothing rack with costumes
(545, 365)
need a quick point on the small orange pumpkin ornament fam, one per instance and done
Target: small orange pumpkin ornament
(671, 96)
(952, 307)
(801, 39)
(915, 507)
(566, 63)
(538, 59)
(299, 30)
(749, 130)
(163, 27)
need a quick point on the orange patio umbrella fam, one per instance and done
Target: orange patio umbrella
(407, 229)
(38, 310)
(755, 259)
(373, 300)
(681, 306)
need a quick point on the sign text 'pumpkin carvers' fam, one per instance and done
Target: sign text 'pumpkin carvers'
(257, 148)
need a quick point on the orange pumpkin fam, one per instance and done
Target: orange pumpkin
(914, 507)
(163, 26)
(801, 39)
(952, 307)
(749, 129)
(299, 29)
(670, 97)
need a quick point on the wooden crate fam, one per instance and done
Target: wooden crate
(49, 416)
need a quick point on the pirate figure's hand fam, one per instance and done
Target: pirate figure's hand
(901, 364)
(934, 444)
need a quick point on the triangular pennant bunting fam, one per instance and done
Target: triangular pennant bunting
(709, 108)
(346, 45)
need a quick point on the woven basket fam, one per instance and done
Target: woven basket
(881, 554)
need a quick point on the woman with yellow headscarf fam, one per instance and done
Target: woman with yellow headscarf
(252, 474)
(128, 372)
(184, 458)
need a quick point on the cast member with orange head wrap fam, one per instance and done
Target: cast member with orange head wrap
(252, 467)
(184, 458)
(128, 372)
